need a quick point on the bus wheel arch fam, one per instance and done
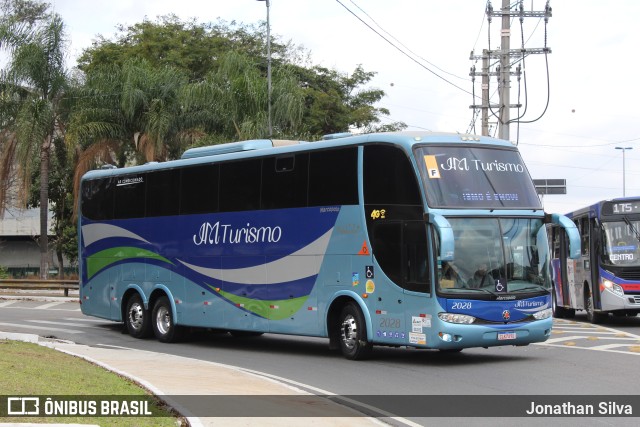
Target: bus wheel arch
(592, 315)
(560, 312)
(163, 318)
(136, 316)
(348, 328)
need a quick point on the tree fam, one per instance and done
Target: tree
(188, 46)
(333, 102)
(336, 102)
(32, 87)
(127, 114)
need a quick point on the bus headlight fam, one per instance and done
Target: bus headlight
(457, 318)
(616, 289)
(543, 314)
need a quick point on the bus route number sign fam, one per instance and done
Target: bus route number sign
(617, 208)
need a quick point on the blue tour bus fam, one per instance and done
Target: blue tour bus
(606, 277)
(366, 239)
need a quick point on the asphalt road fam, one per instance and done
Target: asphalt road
(578, 359)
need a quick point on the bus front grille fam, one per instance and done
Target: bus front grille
(629, 273)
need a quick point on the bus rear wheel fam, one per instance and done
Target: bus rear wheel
(353, 333)
(558, 312)
(164, 327)
(137, 318)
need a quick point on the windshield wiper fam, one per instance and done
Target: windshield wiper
(530, 288)
(633, 229)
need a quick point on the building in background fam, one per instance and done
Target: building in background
(19, 251)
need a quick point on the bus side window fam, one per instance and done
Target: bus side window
(199, 189)
(584, 235)
(284, 181)
(240, 185)
(333, 177)
(130, 195)
(97, 198)
(163, 193)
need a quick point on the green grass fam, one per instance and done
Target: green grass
(32, 370)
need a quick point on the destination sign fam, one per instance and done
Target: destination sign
(621, 208)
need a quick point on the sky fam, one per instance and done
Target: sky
(581, 103)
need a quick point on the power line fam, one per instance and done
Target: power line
(402, 51)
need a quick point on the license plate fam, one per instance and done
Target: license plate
(506, 336)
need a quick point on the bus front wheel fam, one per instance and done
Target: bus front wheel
(137, 318)
(592, 315)
(164, 327)
(353, 333)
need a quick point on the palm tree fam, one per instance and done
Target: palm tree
(33, 84)
(126, 115)
(231, 103)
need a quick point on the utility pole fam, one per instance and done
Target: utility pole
(503, 71)
(505, 68)
(268, 70)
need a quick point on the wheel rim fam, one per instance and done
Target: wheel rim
(349, 332)
(163, 320)
(136, 316)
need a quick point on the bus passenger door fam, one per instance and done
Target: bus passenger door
(565, 265)
(400, 247)
(592, 262)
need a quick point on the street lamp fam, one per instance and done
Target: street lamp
(268, 68)
(623, 171)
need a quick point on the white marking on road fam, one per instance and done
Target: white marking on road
(49, 322)
(573, 337)
(51, 304)
(40, 328)
(7, 303)
(608, 346)
(84, 319)
(586, 331)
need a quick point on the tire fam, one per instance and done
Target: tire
(164, 327)
(353, 333)
(136, 318)
(558, 312)
(592, 315)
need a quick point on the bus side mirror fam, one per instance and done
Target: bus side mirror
(571, 230)
(445, 233)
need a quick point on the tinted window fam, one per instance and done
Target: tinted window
(284, 181)
(97, 199)
(130, 196)
(240, 185)
(333, 177)
(414, 242)
(199, 192)
(401, 251)
(387, 248)
(163, 193)
(389, 178)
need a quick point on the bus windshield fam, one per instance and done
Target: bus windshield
(622, 243)
(476, 178)
(497, 255)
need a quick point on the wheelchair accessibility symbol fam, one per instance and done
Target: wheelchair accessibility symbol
(368, 271)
